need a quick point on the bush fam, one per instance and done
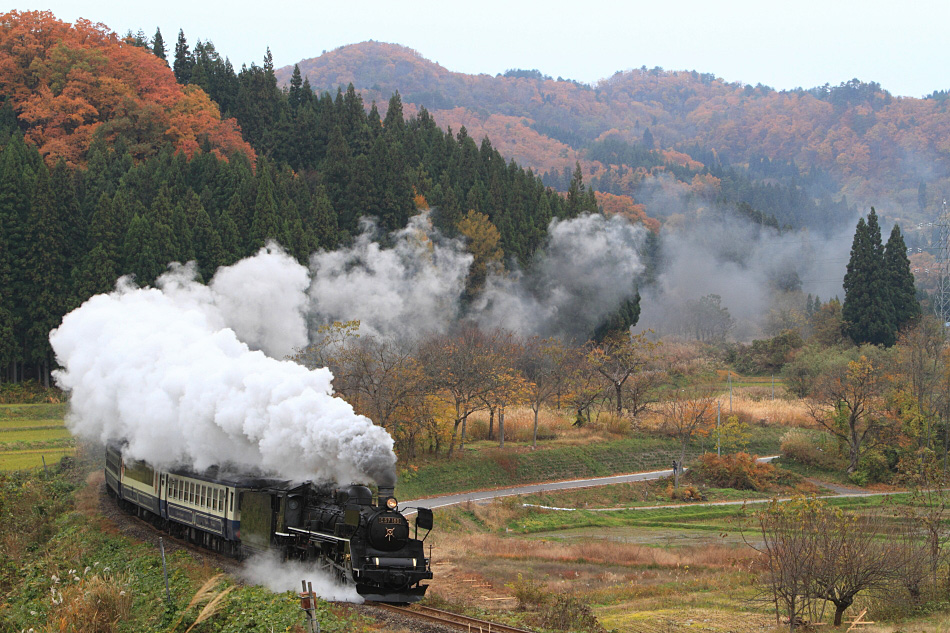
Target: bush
(569, 613)
(799, 445)
(739, 471)
(873, 468)
(528, 592)
(685, 493)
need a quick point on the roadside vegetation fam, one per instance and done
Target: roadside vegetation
(63, 567)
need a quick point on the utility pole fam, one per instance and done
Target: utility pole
(942, 254)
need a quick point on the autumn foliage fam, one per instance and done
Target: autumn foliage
(857, 132)
(68, 83)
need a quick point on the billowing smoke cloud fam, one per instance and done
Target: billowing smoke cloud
(407, 290)
(588, 267)
(709, 250)
(170, 370)
(279, 576)
(585, 270)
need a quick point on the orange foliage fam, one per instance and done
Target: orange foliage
(625, 206)
(70, 82)
(869, 143)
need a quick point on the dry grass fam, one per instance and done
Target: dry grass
(603, 552)
(519, 425)
(754, 405)
(95, 604)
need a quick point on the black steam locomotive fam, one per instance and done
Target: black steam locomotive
(360, 541)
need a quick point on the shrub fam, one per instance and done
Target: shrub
(685, 493)
(800, 446)
(739, 471)
(528, 592)
(873, 468)
(569, 613)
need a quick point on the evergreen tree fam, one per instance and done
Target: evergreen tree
(16, 189)
(47, 273)
(266, 224)
(294, 95)
(184, 62)
(158, 46)
(624, 318)
(868, 310)
(900, 279)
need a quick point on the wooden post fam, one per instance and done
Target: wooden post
(161, 546)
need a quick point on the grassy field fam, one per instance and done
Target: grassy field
(639, 571)
(31, 433)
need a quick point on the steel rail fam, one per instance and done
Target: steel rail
(452, 619)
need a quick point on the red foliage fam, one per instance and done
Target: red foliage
(68, 82)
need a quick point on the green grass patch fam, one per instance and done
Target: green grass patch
(17, 424)
(41, 434)
(33, 411)
(491, 467)
(30, 459)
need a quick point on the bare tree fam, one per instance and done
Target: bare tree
(816, 553)
(787, 531)
(687, 414)
(618, 357)
(539, 363)
(459, 367)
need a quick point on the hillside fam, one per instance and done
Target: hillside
(67, 84)
(854, 140)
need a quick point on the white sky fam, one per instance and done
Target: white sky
(807, 43)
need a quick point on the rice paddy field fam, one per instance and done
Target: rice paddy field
(32, 433)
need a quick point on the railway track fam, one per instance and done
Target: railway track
(447, 618)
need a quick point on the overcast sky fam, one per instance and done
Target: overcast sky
(806, 43)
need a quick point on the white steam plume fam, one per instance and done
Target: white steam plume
(588, 267)
(408, 290)
(279, 576)
(164, 369)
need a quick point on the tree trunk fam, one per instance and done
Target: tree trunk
(618, 387)
(840, 607)
(501, 427)
(534, 441)
(491, 423)
(464, 427)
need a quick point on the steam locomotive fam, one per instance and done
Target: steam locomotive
(360, 541)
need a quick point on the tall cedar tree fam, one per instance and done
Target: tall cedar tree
(868, 308)
(184, 62)
(900, 279)
(158, 46)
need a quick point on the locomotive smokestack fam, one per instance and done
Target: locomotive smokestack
(386, 492)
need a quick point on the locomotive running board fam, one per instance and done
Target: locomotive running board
(320, 536)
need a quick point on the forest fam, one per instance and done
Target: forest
(102, 175)
(853, 140)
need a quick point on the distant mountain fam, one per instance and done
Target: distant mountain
(853, 140)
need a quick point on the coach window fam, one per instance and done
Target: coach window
(191, 492)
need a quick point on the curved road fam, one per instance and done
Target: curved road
(483, 495)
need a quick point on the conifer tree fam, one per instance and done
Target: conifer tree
(46, 271)
(900, 279)
(294, 95)
(184, 61)
(158, 46)
(868, 309)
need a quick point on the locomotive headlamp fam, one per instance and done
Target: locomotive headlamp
(391, 503)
